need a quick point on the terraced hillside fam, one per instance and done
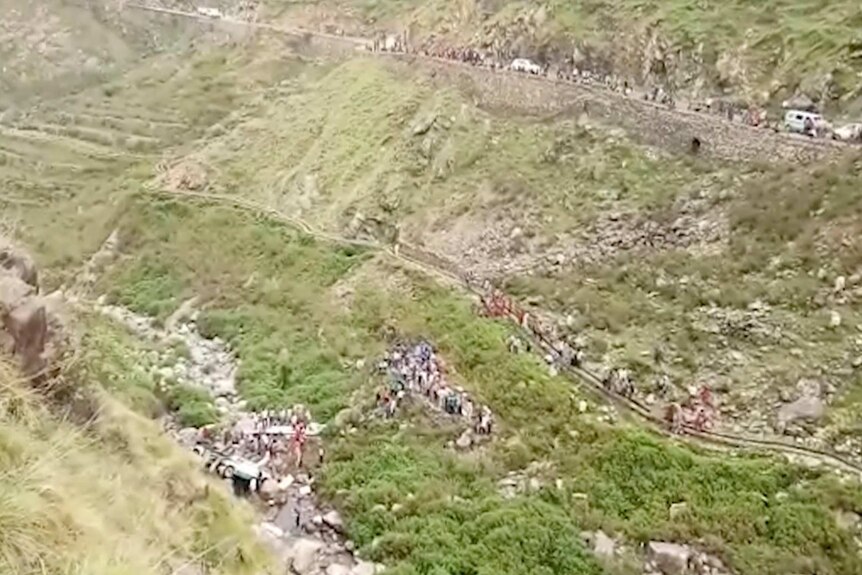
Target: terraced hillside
(53, 47)
(681, 269)
(66, 162)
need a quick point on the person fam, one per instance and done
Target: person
(705, 396)
(396, 241)
(485, 421)
(453, 403)
(673, 416)
(241, 483)
(298, 442)
(808, 126)
(467, 409)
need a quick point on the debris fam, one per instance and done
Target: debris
(678, 509)
(603, 545)
(804, 408)
(670, 558)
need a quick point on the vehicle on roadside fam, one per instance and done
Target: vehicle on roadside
(802, 122)
(524, 65)
(209, 12)
(848, 133)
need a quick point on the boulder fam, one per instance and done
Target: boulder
(333, 520)
(840, 284)
(805, 408)
(304, 555)
(677, 509)
(465, 440)
(15, 263)
(13, 291)
(847, 520)
(28, 326)
(268, 490)
(669, 558)
(337, 569)
(188, 436)
(603, 545)
(799, 102)
(363, 568)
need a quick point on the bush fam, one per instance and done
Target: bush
(193, 406)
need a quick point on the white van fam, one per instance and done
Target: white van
(524, 65)
(802, 122)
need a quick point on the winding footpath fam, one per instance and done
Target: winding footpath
(437, 266)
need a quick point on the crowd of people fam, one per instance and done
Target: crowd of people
(697, 411)
(416, 370)
(259, 446)
(569, 71)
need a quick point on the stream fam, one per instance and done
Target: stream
(306, 536)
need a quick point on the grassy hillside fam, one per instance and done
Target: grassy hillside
(556, 206)
(732, 270)
(626, 241)
(386, 143)
(65, 163)
(108, 495)
(291, 305)
(754, 52)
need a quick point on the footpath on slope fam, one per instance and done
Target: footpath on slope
(650, 122)
(441, 268)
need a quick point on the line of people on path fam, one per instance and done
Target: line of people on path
(697, 411)
(569, 71)
(417, 370)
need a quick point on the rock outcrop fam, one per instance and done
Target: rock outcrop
(30, 324)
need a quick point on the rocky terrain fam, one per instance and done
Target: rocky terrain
(681, 47)
(32, 325)
(225, 177)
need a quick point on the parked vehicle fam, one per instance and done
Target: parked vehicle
(848, 133)
(524, 65)
(209, 12)
(802, 122)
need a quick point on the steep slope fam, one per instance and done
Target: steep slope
(309, 322)
(108, 495)
(50, 48)
(666, 265)
(734, 49)
(682, 270)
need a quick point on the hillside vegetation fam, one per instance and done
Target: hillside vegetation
(679, 267)
(51, 48)
(97, 489)
(291, 305)
(738, 48)
(672, 265)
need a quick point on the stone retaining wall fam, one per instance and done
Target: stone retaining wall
(645, 122)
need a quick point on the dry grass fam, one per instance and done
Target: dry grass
(114, 497)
